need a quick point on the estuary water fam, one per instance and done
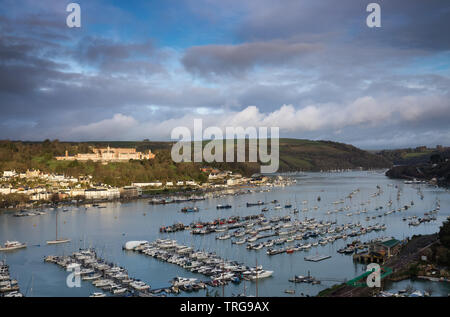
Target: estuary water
(107, 229)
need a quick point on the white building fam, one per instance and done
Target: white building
(5, 190)
(77, 192)
(102, 193)
(151, 184)
(9, 174)
(40, 196)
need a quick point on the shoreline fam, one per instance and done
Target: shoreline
(171, 194)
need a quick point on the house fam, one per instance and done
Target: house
(5, 190)
(234, 181)
(57, 177)
(9, 174)
(41, 196)
(32, 173)
(217, 174)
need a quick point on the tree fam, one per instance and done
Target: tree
(444, 234)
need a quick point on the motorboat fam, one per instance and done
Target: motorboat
(13, 245)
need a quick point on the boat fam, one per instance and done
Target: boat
(259, 274)
(223, 206)
(258, 203)
(119, 290)
(139, 285)
(97, 294)
(223, 237)
(57, 241)
(13, 294)
(290, 291)
(13, 245)
(189, 209)
(241, 241)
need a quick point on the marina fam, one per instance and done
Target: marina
(9, 287)
(281, 240)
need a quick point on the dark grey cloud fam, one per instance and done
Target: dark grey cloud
(311, 67)
(232, 59)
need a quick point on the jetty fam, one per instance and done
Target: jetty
(8, 286)
(317, 257)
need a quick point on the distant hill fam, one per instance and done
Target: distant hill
(306, 155)
(414, 156)
(295, 155)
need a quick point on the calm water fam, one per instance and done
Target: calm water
(108, 229)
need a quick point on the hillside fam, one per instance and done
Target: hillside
(439, 171)
(419, 155)
(309, 155)
(295, 155)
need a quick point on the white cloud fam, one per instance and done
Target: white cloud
(366, 112)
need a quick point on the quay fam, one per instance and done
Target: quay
(317, 257)
(103, 275)
(8, 286)
(219, 270)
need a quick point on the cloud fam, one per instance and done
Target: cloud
(119, 126)
(311, 67)
(234, 59)
(366, 114)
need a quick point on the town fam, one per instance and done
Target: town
(23, 189)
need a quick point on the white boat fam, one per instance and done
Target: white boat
(179, 281)
(119, 290)
(259, 274)
(91, 277)
(139, 285)
(57, 241)
(14, 294)
(72, 266)
(13, 245)
(97, 294)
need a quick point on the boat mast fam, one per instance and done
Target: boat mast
(256, 277)
(56, 239)
(223, 273)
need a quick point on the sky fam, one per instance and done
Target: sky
(135, 70)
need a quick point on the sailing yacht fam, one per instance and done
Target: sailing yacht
(57, 241)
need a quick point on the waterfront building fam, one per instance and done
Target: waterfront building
(150, 184)
(130, 192)
(102, 193)
(386, 247)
